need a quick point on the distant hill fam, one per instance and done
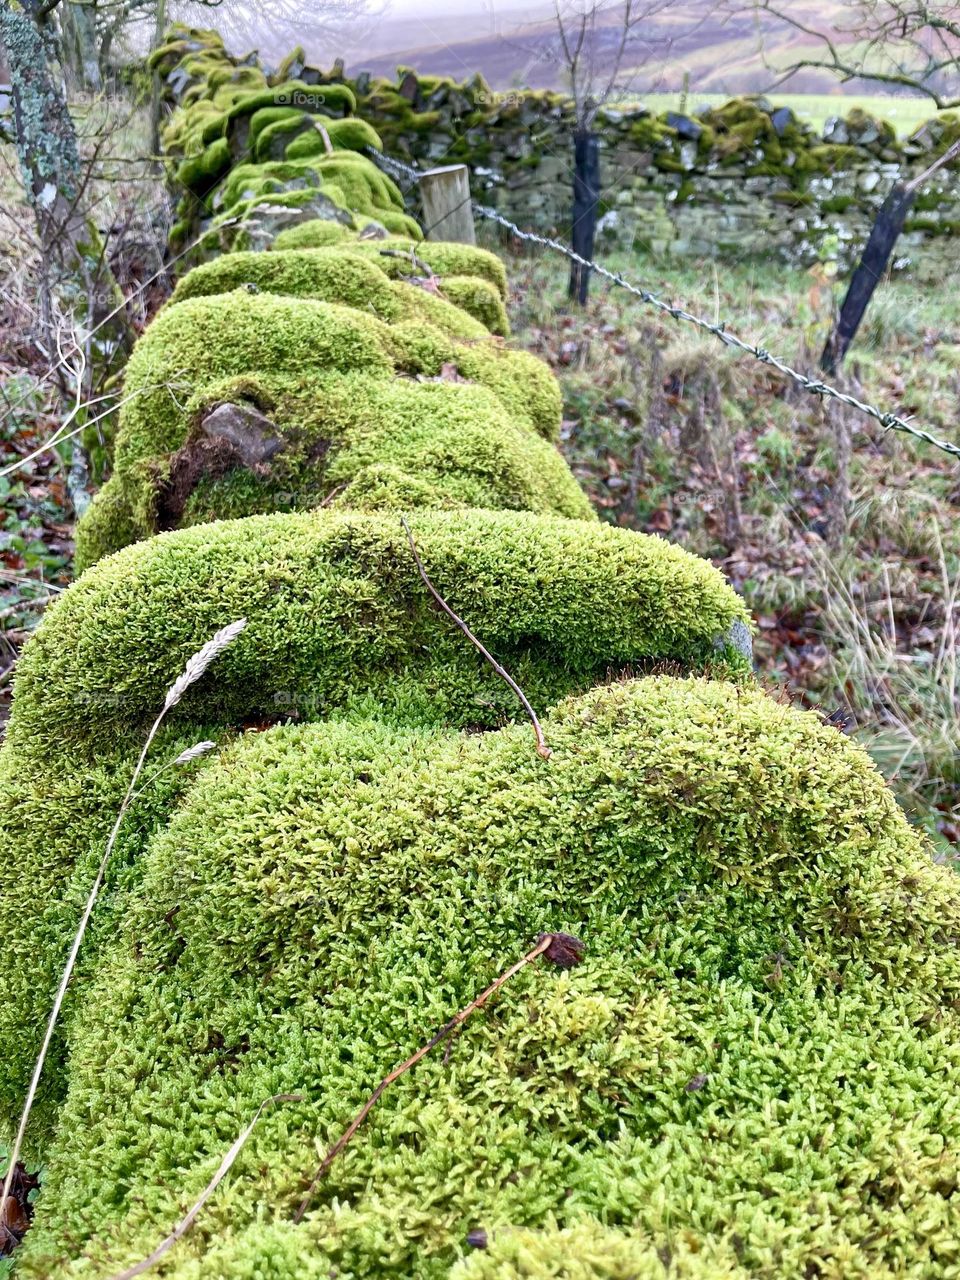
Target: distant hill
(520, 48)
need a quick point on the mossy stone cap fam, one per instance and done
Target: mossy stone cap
(766, 1001)
(336, 610)
(270, 330)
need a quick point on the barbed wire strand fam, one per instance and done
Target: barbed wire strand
(719, 330)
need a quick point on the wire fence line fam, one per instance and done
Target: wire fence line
(719, 330)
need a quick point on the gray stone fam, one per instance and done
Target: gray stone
(836, 131)
(251, 433)
(781, 119)
(685, 127)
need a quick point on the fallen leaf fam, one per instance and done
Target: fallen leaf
(565, 951)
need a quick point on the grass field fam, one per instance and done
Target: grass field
(906, 114)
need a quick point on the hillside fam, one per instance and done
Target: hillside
(719, 51)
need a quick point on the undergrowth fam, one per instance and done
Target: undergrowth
(842, 538)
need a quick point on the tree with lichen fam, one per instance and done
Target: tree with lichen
(77, 275)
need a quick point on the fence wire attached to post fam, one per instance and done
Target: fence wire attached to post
(816, 387)
(889, 421)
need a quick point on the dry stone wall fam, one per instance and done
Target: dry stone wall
(747, 178)
(346, 832)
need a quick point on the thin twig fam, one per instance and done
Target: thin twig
(542, 749)
(567, 952)
(164, 270)
(188, 1219)
(940, 161)
(59, 437)
(410, 257)
(35, 602)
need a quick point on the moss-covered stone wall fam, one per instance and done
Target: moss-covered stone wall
(745, 178)
(250, 152)
(751, 1071)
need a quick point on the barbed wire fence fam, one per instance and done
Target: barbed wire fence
(717, 329)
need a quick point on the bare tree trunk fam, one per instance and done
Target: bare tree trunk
(54, 178)
(586, 197)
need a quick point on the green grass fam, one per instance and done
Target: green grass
(906, 114)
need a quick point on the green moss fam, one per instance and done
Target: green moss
(667, 163)
(825, 158)
(351, 181)
(596, 597)
(361, 180)
(443, 257)
(746, 1074)
(295, 59)
(398, 224)
(199, 173)
(203, 339)
(248, 180)
(931, 226)
(794, 199)
(651, 133)
(686, 191)
(328, 894)
(836, 204)
(925, 201)
(303, 193)
(344, 135)
(524, 383)
(455, 438)
(327, 99)
(273, 141)
(213, 128)
(318, 233)
(266, 116)
(328, 277)
(385, 487)
(336, 600)
(479, 299)
(588, 1249)
(287, 352)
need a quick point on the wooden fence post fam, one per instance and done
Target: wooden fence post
(874, 259)
(447, 211)
(873, 263)
(586, 197)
